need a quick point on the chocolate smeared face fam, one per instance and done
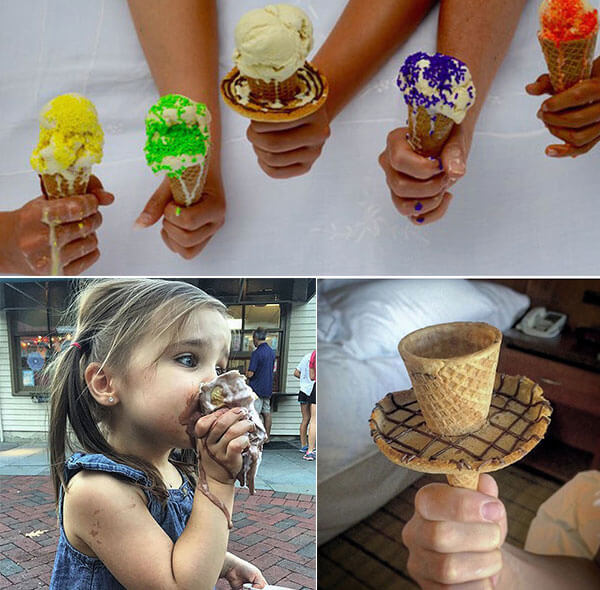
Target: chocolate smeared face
(229, 391)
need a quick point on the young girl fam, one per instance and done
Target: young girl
(127, 510)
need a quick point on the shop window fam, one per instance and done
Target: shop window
(244, 320)
(36, 332)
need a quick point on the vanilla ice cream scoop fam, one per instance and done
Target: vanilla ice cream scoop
(272, 43)
(438, 83)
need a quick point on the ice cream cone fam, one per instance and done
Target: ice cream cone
(427, 133)
(187, 188)
(465, 479)
(274, 91)
(438, 90)
(57, 186)
(452, 368)
(569, 61)
(178, 142)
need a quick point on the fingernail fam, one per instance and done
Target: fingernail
(238, 410)
(552, 152)
(456, 167)
(420, 219)
(492, 511)
(418, 206)
(539, 114)
(144, 220)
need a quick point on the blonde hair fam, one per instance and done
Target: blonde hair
(111, 317)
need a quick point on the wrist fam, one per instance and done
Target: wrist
(11, 259)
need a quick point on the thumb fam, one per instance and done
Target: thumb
(95, 188)
(488, 486)
(454, 155)
(541, 86)
(155, 206)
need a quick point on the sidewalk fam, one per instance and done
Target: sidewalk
(274, 529)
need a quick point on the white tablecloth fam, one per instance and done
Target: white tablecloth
(516, 212)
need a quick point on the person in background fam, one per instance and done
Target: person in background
(311, 452)
(304, 395)
(260, 376)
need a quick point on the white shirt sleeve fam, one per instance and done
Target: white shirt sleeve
(568, 523)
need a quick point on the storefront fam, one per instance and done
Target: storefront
(34, 327)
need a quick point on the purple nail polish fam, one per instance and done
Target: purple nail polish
(420, 219)
(418, 207)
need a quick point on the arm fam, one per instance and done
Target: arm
(181, 46)
(551, 572)
(297, 373)
(360, 43)
(478, 33)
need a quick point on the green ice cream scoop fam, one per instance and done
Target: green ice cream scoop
(177, 135)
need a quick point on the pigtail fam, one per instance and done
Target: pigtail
(64, 379)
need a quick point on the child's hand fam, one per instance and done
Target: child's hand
(420, 185)
(186, 230)
(289, 149)
(222, 436)
(75, 220)
(573, 115)
(239, 572)
(455, 536)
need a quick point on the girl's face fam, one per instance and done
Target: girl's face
(160, 378)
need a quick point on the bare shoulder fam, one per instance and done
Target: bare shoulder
(99, 508)
(91, 497)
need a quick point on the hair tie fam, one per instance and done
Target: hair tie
(76, 344)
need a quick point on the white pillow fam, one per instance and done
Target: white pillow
(369, 318)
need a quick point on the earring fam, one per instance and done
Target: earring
(111, 399)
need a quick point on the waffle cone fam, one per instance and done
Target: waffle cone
(274, 91)
(427, 133)
(187, 189)
(465, 479)
(452, 368)
(57, 186)
(570, 61)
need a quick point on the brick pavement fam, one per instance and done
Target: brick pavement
(273, 530)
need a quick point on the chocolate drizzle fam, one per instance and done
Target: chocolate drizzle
(229, 390)
(235, 90)
(516, 411)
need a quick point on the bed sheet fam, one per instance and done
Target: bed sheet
(516, 212)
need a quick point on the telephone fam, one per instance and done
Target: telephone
(542, 323)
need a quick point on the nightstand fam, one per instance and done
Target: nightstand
(570, 377)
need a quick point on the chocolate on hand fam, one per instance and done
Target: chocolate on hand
(227, 391)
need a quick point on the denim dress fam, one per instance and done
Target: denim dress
(76, 571)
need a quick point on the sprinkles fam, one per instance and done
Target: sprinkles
(177, 134)
(567, 20)
(438, 83)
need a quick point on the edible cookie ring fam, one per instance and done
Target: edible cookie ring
(310, 98)
(518, 418)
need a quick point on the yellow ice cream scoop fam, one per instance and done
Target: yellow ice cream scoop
(70, 136)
